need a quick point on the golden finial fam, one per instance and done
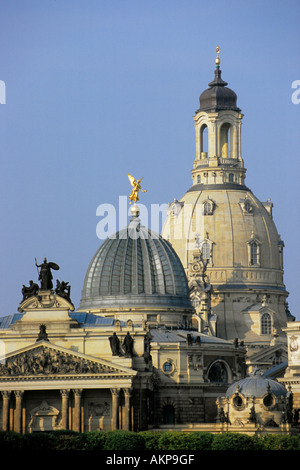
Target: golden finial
(217, 59)
(136, 184)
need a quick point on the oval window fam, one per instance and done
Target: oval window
(268, 400)
(237, 401)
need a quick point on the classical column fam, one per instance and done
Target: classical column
(5, 411)
(127, 423)
(77, 408)
(64, 408)
(115, 392)
(18, 413)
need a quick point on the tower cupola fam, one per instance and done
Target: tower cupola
(218, 135)
(218, 96)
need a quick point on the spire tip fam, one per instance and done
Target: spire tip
(217, 61)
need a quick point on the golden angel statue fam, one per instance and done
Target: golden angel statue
(136, 184)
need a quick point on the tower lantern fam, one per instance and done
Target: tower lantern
(218, 135)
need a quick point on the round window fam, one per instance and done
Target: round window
(268, 400)
(237, 401)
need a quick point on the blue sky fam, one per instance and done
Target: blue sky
(96, 89)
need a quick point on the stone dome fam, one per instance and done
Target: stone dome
(239, 239)
(257, 385)
(235, 219)
(135, 269)
(218, 96)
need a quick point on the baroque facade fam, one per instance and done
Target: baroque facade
(227, 240)
(168, 326)
(125, 359)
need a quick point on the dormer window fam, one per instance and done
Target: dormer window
(266, 324)
(246, 206)
(208, 206)
(254, 251)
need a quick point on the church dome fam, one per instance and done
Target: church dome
(237, 226)
(221, 227)
(257, 385)
(218, 96)
(135, 269)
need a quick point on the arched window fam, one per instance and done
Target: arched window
(225, 136)
(207, 207)
(266, 324)
(204, 140)
(254, 253)
(231, 178)
(198, 179)
(218, 373)
(205, 249)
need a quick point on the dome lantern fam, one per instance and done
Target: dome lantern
(218, 135)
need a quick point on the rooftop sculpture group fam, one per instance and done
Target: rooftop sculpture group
(45, 277)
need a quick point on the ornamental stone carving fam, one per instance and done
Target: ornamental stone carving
(47, 361)
(294, 343)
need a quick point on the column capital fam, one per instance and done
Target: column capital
(78, 392)
(19, 393)
(65, 393)
(5, 393)
(115, 391)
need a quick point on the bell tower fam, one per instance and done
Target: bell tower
(218, 135)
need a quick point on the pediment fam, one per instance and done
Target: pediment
(44, 359)
(269, 355)
(259, 308)
(45, 300)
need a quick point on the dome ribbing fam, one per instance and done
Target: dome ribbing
(257, 385)
(135, 267)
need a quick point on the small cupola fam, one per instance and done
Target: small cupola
(218, 136)
(218, 96)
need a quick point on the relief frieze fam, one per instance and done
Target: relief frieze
(47, 361)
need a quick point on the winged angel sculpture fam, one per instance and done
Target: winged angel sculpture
(136, 184)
